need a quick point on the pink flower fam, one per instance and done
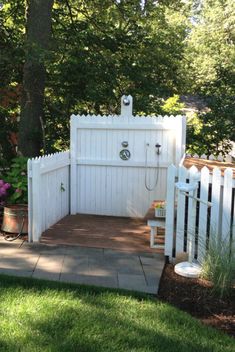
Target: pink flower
(18, 190)
(2, 191)
(1, 183)
(6, 186)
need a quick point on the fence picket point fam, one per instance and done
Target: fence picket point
(180, 223)
(193, 176)
(227, 203)
(170, 201)
(203, 209)
(215, 199)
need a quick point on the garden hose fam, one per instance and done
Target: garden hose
(11, 239)
(156, 174)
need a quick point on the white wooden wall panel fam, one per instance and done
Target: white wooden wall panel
(116, 191)
(107, 185)
(48, 202)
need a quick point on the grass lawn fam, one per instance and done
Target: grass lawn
(47, 316)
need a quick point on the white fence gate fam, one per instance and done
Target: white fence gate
(48, 192)
(102, 183)
(197, 223)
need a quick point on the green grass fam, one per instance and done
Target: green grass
(47, 316)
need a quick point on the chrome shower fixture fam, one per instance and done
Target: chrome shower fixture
(158, 146)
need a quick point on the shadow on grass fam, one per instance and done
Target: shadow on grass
(80, 318)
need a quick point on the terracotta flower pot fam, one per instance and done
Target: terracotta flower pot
(15, 218)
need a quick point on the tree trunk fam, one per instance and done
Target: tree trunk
(38, 34)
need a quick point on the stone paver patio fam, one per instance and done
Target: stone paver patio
(84, 265)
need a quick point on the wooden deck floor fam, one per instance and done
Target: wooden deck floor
(101, 232)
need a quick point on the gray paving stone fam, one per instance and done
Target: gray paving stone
(104, 281)
(130, 270)
(111, 253)
(102, 271)
(50, 263)
(132, 282)
(75, 264)
(18, 262)
(118, 264)
(40, 247)
(152, 289)
(41, 274)
(84, 251)
(16, 272)
(17, 243)
(153, 270)
(121, 261)
(54, 251)
(8, 251)
(152, 261)
(91, 266)
(152, 280)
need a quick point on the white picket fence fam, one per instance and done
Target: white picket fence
(48, 192)
(190, 225)
(228, 158)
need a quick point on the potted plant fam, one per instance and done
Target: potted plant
(4, 186)
(15, 213)
(160, 210)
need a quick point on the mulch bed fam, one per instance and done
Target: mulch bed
(195, 296)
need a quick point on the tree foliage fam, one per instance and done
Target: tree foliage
(102, 49)
(209, 66)
(111, 48)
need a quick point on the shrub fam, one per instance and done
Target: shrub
(219, 266)
(17, 178)
(173, 106)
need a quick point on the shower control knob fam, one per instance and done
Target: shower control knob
(125, 154)
(125, 144)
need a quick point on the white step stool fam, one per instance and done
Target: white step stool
(154, 224)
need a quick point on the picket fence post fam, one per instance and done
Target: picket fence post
(180, 224)
(170, 210)
(193, 176)
(36, 204)
(203, 213)
(73, 165)
(227, 204)
(30, 200)
(216, 200)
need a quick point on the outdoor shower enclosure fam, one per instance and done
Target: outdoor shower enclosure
(111, 161)
(119, 163)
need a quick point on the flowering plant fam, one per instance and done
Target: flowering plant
(16, 178)
(161, 205)
(4, 187)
